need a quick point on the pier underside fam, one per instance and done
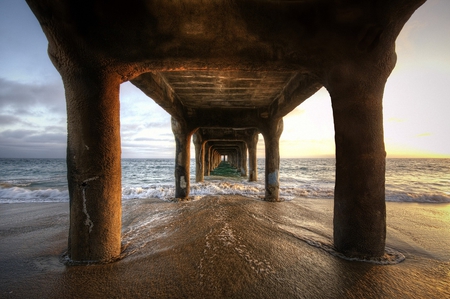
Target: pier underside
(224, 65)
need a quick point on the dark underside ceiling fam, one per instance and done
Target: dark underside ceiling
(226, 89)
(193, 56)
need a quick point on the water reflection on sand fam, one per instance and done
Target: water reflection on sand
(226, 247)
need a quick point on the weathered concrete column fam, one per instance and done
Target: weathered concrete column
(272, 132)
(234, 158)
(356, 90)
(182, 159)
(93, 164)
(216, 159)
(252, 144)
(243, 153)
(207, 159)
(199, 156)
(212, 159)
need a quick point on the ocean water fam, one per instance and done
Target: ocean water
(44, 180)
(227, 246)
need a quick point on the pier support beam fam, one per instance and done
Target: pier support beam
(199, 157)
(356, 91)
(207, 168)
(252, 143)
(243, 155)
(182, 159)
(272, 132)
(93, 164)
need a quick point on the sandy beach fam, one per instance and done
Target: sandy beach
(224, 247)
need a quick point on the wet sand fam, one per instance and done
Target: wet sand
(224, 247)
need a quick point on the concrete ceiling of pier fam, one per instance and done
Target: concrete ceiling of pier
(208, 134)
(195, 57)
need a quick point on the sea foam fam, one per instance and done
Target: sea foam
(22, 195)
(211, 187)
(45, 180)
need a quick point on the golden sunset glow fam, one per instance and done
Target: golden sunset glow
(416, 100)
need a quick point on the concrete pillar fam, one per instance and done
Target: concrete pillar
(93, 164)
(217, 159)
(243, 153)
(199, 156)
(212, 160)
(207, 159)
(356, 91)
(234, 158)
(182, 159)
(252, 144)
(272, 132)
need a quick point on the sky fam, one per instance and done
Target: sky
(416, 103)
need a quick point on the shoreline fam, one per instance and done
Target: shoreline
(221, 247)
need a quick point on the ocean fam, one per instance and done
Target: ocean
(44, 180)
(222, 244)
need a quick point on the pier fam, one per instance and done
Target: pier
(227, 66)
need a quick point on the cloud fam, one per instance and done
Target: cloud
(47, 138)
(161, 124)
(56, 129)
(296, 112)
(424, 135)
(31, 144)
(154, 144)
(161, 149)
(136, 124)
(147, 139)
(17, 134)
(8, 120)
(32, 137)
(24, 98)
(18, 150)
(395, 120)
(35, 136)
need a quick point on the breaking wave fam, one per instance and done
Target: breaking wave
(44, 180)
(256, 190)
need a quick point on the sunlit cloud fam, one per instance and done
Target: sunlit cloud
(424, 135)
(310, 148)
(297, 112)
(395, 120)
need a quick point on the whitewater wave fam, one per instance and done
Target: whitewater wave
(23, 195)
(437, 197)
(212, 187)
